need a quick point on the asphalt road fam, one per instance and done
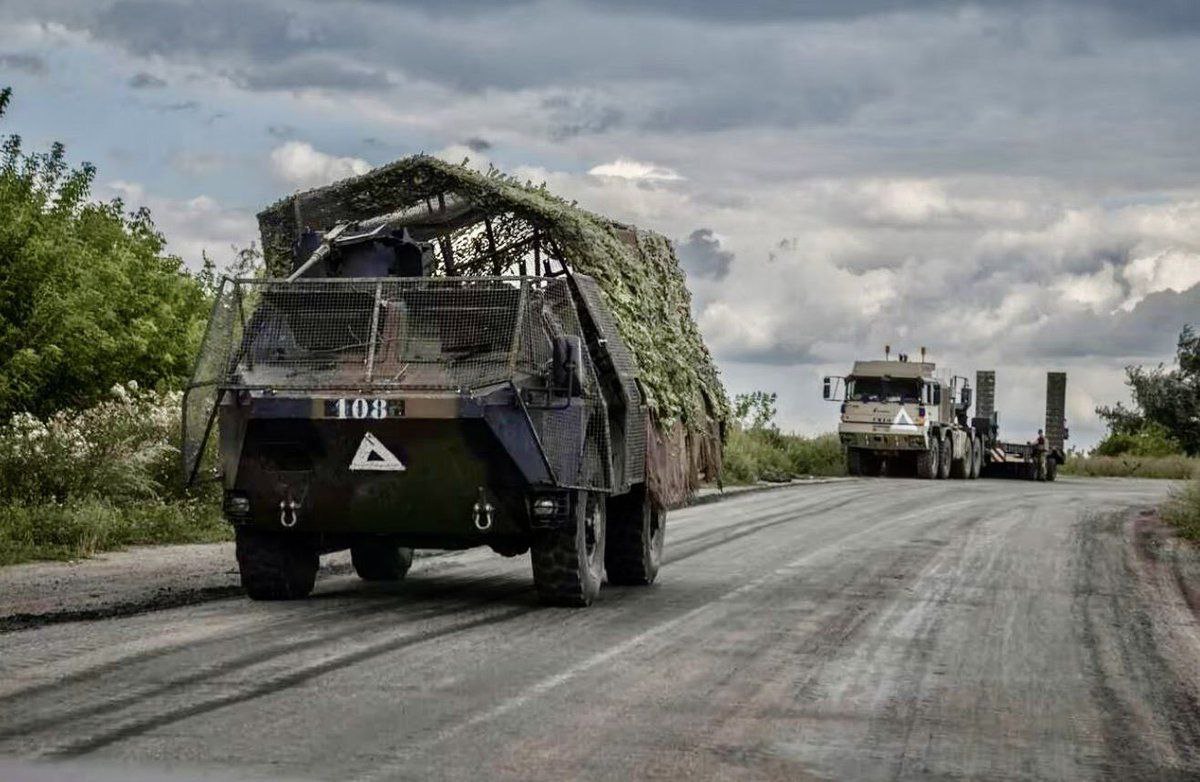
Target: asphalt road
(870, 629)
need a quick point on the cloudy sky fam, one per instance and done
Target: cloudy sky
(1015, 185)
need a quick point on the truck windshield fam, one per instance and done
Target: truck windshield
(883, 389)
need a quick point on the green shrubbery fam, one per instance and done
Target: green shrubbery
(755, 449)
(1173, 467)
(1183, 509)
(98, 326)
(80, 481)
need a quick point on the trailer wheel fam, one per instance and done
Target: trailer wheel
(944, 459)
(275, 566)
(854, 461)
(633, 543)
(975, 448)
(378, 559)
(960, 468)
(568, 560)
(1051, 469)
(927, 461)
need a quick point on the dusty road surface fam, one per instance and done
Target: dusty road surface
(870, 629)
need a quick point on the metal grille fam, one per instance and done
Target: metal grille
(463, 335)
(200, 397)
(581, 463)
(621, 358)
(402, 334)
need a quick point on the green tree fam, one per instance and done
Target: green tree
(88, 297)
(1166, 405)
(755, 410)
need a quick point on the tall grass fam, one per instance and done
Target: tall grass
(762, 454)
(1182, 509)
(81, 481)
(1173, 467)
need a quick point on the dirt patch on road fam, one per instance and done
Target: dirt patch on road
(1168, 557)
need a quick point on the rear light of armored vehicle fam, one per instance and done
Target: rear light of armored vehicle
(546, 506)
(237, 505)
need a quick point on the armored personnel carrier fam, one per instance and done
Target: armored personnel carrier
(440, 358)
(900, 416)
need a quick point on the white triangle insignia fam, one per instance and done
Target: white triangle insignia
(903, 419)
(374, 455)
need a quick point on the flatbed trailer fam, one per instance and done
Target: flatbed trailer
(1005, 459)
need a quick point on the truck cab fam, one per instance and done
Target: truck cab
(899, 412)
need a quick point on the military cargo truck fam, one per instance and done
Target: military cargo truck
(899, 416)
(440, 358)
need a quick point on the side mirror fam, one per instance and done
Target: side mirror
(827, 388)
(966, 398)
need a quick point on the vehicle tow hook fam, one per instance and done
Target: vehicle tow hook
(287, 512)
(481, 514)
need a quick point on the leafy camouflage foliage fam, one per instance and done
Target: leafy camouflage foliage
(637, 270)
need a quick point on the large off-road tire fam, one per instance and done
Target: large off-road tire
(633, 540)
(960, 467)
(973, 454)
(275, 566)
(854, 461)
(980, 457)
(568, 560)
(944, 459)
(378, 559)
(928, 461)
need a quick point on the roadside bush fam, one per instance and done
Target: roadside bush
(759, 454)
(81, 481)
(123, 449)
(81, 527)
(1149, 439)
(1173, 467)
(1183, 509)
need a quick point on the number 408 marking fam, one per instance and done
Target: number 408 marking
(361, 408)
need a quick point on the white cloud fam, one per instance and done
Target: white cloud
(624, 168)
(299, 164)
(193, 226)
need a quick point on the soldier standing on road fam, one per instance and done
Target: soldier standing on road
(1039, 456)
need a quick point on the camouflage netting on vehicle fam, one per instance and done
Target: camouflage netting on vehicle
(492, 224)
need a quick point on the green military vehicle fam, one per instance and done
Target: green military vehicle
(900, 417)
(440, 358)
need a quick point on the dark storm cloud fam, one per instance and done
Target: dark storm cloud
(1150, 328)
(703, 256)
(27, 63)
(146, 81)
(309, 74)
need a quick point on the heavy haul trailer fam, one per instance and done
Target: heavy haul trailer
(1031, 460)
(431, 366)
(900, 417)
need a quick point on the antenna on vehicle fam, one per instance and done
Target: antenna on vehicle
(922, 354)
(887, 352)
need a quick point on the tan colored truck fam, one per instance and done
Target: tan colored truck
(900, 416)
